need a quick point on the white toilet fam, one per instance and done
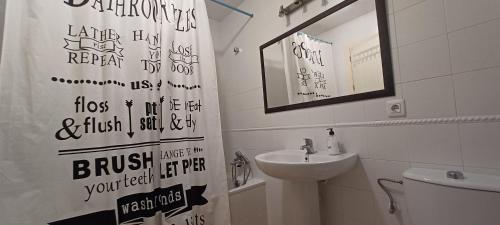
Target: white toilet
(435, 198)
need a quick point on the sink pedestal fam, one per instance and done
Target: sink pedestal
(300, 196)
(301, 203)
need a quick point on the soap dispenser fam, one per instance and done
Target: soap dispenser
(332, 143)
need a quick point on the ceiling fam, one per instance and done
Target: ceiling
(219, 12)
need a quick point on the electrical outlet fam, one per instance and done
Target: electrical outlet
(396, 108)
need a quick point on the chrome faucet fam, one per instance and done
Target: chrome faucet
(308, 146)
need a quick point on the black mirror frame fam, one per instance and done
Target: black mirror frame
(385, 51)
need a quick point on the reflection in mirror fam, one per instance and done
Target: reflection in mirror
(338, 55)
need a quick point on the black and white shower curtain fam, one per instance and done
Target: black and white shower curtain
(109, 114)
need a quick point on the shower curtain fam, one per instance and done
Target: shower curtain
(109, 114)
(309, 68)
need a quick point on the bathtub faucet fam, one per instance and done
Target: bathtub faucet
(240, 166)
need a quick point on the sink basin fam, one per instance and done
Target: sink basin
(291, 165)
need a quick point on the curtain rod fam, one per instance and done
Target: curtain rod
(222, 3)
(314, 38)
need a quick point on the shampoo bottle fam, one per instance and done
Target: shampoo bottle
(332, 143)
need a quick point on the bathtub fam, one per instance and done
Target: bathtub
(248, 203)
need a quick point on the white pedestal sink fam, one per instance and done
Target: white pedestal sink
(300, 187)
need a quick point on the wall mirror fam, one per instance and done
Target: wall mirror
(340, 55)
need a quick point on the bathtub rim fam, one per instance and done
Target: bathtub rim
(251, 184)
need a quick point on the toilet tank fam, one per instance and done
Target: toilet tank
(435, 199)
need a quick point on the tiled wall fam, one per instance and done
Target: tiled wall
(2, 21)
(446, 57)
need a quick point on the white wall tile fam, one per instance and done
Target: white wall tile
(475, 47)
(331, 195)
(355, 178)
(401, 4)
(315, 115)
(480, 170)
(480, 144)
(250, 99)
(275, 119)
(430, 98)
(331, 217)
(348, 112)
(386, 143)
(357, 206)
(228, 139)
(246, 140)
(395, 66)
(294, 138)
(438, 144)
(3, 179)
(321, 115)
(352, 139)
(463, 13)
(244, 119)
(252, 117)
(243, 80)
(425, 59)
(419, 22)
(392, 31)
(230, 120)
(277, 144)
(477, 92)
(264, 139)
(390, 6)
(436, 166)
(223, 117)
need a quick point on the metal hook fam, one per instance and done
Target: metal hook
(392, 204)
(237, 50)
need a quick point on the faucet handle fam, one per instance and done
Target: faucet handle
(308, 141)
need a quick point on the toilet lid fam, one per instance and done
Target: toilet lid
(473, 181)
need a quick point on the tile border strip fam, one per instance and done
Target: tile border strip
(382, 123)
